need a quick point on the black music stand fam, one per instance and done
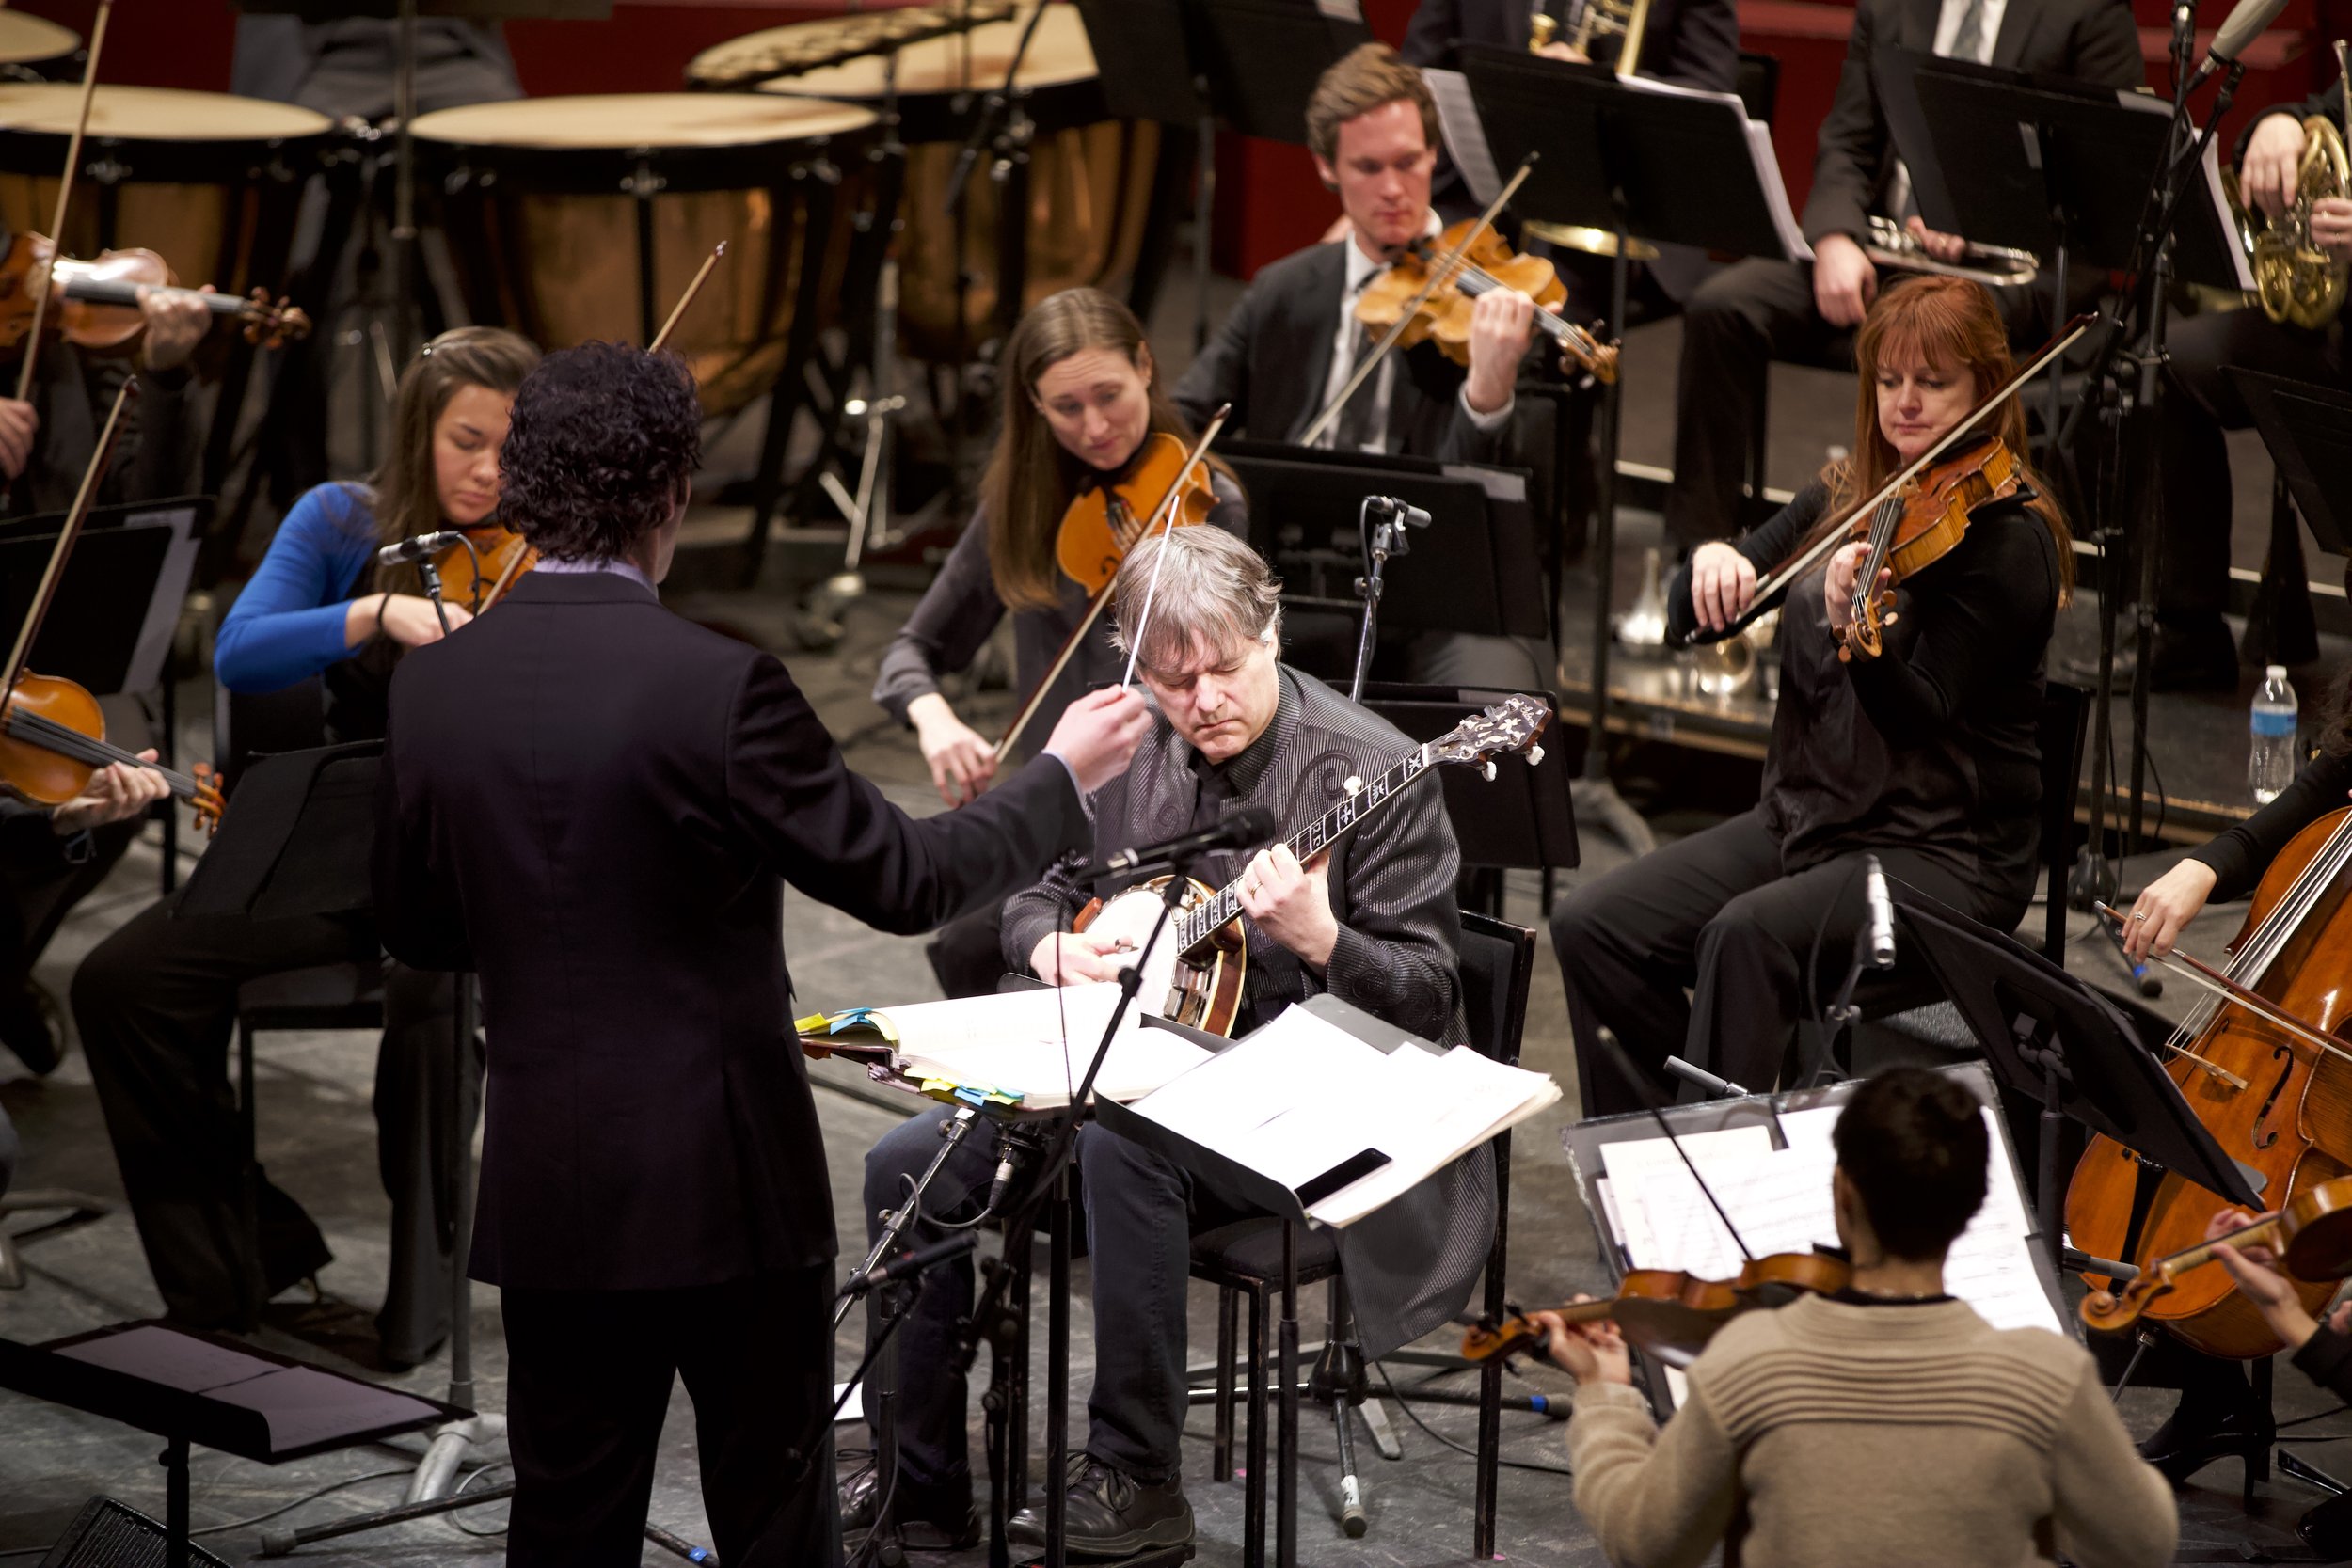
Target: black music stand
(189, 1388)
(2055, 1041)
(2309, 432)
(1670, 167)
(1251, 64)
(1466, 575)
(1523, 818)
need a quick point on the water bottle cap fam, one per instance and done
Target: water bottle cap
(2274, 671)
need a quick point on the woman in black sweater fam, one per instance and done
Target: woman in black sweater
(1925, 756)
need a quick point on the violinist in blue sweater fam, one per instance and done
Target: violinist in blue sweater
(156, 1001)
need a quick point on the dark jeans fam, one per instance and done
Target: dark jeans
(1734, 326)
(156, 1006)
(588, 1386)
(1713, 913)
(1140, 1214)
(2200, 403)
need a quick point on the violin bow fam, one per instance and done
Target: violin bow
(56, 224)
(1437, 276)
(701, 275)
(1168, 506)
(1103, 596)
(1779, 577)
(46, 594)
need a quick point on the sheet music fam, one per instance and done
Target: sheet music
(157, 1354)
(1037, 1043)
(1464, 133)
(1656, 1194)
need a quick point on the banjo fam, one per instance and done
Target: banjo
(1193, 976)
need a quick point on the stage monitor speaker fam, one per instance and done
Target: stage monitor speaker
(106, 1534)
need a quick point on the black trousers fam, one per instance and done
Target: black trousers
(588, 1386)
(1142, 1212)
(967, 953)
(2201, 400)
(1734, 326)
(1715, 915)
(156, 1006)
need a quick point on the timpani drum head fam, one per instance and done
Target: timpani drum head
(551, 204)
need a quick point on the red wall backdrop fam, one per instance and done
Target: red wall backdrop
(1269, 201)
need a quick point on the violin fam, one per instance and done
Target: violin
(1442, 315)
(2311, 1235)
(1918, 524)
(1669, 1313)
(1102, 522)
(1164, 486)
(478, 573)
(2266, 1072)
(95, 305)
(52, 735)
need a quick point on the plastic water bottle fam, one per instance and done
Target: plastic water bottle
(2270, 762)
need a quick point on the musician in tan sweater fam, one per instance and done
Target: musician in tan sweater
(1887, 1424)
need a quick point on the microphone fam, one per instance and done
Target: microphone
(1717, 1089)
(1008, 1153)
(1245, 829)
(1882, 913)
(2242, 26)
(422, 546)
(1398, 512)
(2150, 984)
(907, 1264)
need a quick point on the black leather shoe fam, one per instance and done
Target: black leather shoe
(2193, 654)
(927, 1519)
(2191, 1439)
(33, 1028)
(1110, 1513)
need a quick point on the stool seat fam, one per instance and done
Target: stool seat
(1248, 1253)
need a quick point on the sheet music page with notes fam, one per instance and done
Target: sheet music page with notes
(1038, 1043)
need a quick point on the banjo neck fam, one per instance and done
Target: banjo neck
(1198, 925)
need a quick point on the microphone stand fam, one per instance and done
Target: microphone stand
(431, 575)
(1053, 1183)
(1381, 540)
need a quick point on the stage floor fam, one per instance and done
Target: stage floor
(317, 1136)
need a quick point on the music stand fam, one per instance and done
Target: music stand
(2058, 1042)
(1523, 820)
(2309, 432)
(189, 1388)
(1467, 574)
(1664, 165)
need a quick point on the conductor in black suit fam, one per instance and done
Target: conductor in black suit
(593, 805)
(1748, 315)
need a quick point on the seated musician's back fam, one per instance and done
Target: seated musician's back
(1887, 1423)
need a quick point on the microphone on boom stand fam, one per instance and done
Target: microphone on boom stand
(1245, 829)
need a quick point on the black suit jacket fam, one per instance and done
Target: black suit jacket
(2092, 41)
(1696, 42)
(594, 805)
(1272, 356)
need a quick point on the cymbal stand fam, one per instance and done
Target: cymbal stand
(1595, 798)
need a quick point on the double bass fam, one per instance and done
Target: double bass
(2268, 1071)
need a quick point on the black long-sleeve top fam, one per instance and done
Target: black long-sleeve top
(961, 609)
(2241, 855)
(1930, 746)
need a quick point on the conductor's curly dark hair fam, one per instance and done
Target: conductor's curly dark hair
(603, 439)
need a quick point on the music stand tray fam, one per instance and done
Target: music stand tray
(2309, 432)
(119, 603)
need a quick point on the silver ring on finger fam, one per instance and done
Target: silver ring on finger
(2139, 915)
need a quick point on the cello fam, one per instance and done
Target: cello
(2259, 1067)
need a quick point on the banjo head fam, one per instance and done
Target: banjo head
(1202, 995)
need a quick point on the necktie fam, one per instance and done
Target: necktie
(1969, 41)
(1355, 428)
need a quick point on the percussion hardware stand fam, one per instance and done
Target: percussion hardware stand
(1203, 208)
(1004, 127)
(1596, 800)
(404, 333)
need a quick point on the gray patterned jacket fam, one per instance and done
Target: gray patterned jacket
(1409, 1267)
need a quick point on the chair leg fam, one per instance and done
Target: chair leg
(248, 1181)
(1222, 1447)
(1253, 1480)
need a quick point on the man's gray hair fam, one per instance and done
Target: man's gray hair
(1215, 592)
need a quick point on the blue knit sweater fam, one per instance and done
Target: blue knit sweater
(288, 623)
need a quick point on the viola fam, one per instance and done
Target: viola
(1102, 522)
(95, 305)
(53, 738)
(1669, 1313)
(2311, 1235)
(1918, 524)
(2265, 1070)
(1442, 315)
